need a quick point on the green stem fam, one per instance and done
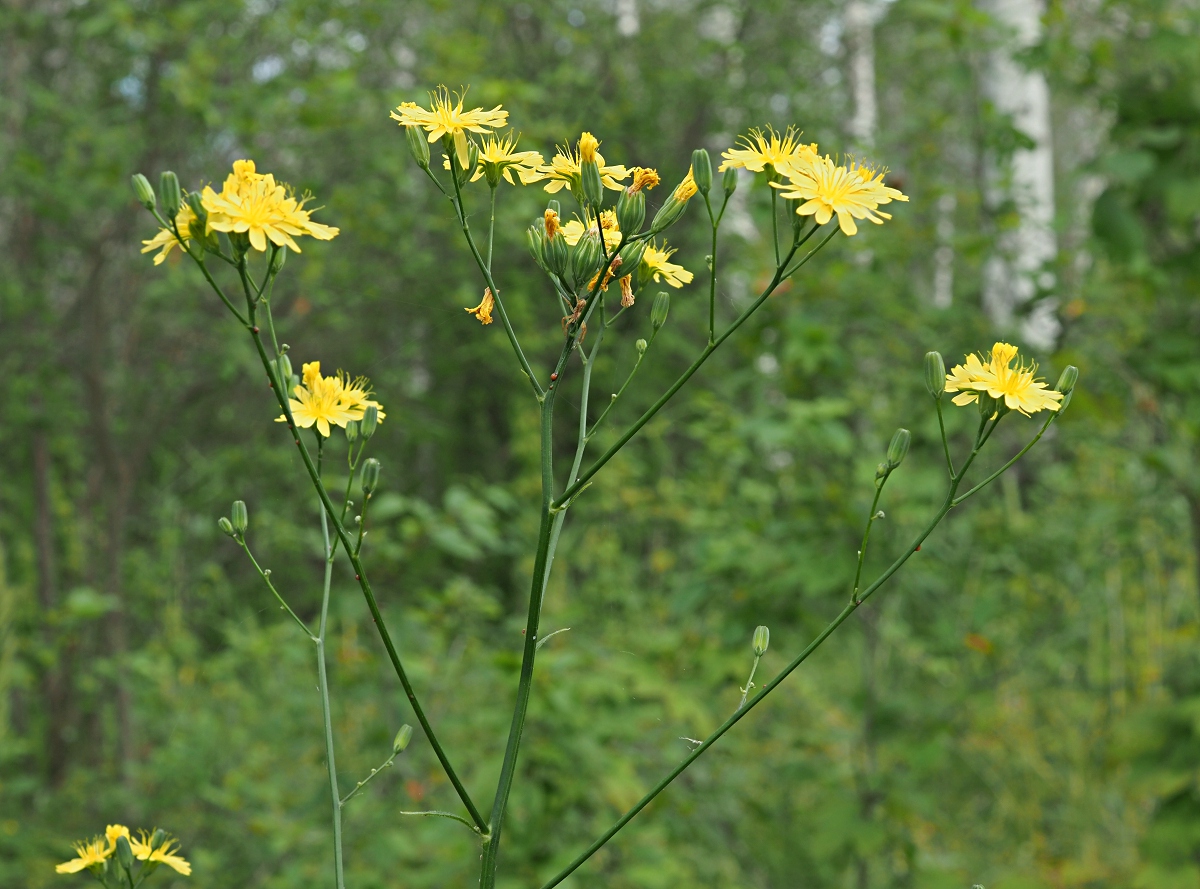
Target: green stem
(995, 475)
(775, 224)
(862, 549)
(267, 580)
(645, 418)
(712, 273)
(360, 575)
(367, 780)
(450, 815)
(323, 679)
(491, 230)
(945, 443)
(749, 682)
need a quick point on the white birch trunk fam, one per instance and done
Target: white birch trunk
(859, 21)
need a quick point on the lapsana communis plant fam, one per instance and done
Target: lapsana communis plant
(598, 259)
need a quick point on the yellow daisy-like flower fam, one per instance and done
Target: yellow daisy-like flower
(563, 169)
(164, 853)
(322, 402)
(89, 853)
(166, 241)
(497, 155)
(255, 204)
(852, 192)
(483, 311)
(643, 177)
(656, 260)
(574, 229)
(356, 393)
(112, 831)
(993, 374)
(446, 117)
(768, 149)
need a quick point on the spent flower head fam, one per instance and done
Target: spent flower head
(826, 188)
(994, 375)
(643, 178)
(446, 117)
(483, 311)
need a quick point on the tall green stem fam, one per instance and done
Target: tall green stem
(323, 681)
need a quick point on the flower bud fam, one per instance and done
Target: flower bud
(284, 365)
(278, 258)
(465, 172)
(668, 214)
(702, 170)
(124, 853)
(554, 206)
(641, 346)
(631, 211)
(631, 255)
(662, 305)
(1066, 385)
(369, 479)
(729, 181)
(370, 419)
(585, 258)
(557, 253)
(882, 471)
(225, 525)
(352, 431)
(535, 239)
(400, 742)
(590, 184)
(169, 194)
(141, 188)
(935, 374)
(238, 516)
(898, 449)
(418, 146)
(762, 639)
(158, 838)
(991, 407)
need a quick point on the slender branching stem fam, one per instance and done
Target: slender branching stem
(361, 785)
(491, 226)
(267, 580)
(995, 475)
(775, 225)
(862, 548)
(749, 682)
(945, 442)
(712, 271)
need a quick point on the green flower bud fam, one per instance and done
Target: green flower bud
(729, 181)
(369, 479)
(465, 173)
(536, 238)
(158, 838)
(898, 449)
(585, 258)
(196, 202)
(352, 431)
(555, 206)
(662, 305)
(557, 252)
(668, 214)
(701, 170)
(418, 146)
(141, 188)
(124, 853)
(1066, 385)
(991, 407)
(284, 364)
(641, 346)
(225, 525)
(631, 211)
(882, 471)
(935, 374)
(400, 742)
(590, 184)
(169, 194)
(631, 256)
(370, 419)
(239, 517)
(762, 639)
(278, 258)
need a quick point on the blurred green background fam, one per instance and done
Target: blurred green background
(1019, 708)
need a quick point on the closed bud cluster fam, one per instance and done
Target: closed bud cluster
(935, 374)
(239, 517)
(418, 146)
(631, 211)
(658, 314)
(370, 476)
(400, 742)
(702, 170)
(169, 194)
(762, 639)
(141, 188)
(370, 419)
(585, 258)
(898, 448)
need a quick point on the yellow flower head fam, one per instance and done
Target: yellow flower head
(164, 853)
(553, 225)
(563, 170)
(686, 189)
(446, 117)
(356, 394)
(483, 311)
(643, 177)
(166, 240)
(852, 192)
(255, 204)
(656, 260)
(587, 147)
(574, 230)
(993, 374)
(762, 150)
(89, 853)
(112, 831)
(325, 401)
(497, 158)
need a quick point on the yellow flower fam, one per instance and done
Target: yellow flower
(89, 854)
(563, 169)
(993, 374)
(446, 117)
(255, 204)
(587, 147)
(686, 189)
(483, 311)
(761, 150)
(166, 240)
(574, 230)
(163, 854)
(498, 155)
(852, 192)
(356, 393)
(321, 401)
(656, 260)
(112, 831)
(643, 177)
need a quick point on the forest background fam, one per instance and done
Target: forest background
(1019, 708)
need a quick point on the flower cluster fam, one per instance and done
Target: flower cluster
(994, 375)
(447, 118)
(325, 402)
(151, 847)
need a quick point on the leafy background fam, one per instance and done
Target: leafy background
(1020, 708)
